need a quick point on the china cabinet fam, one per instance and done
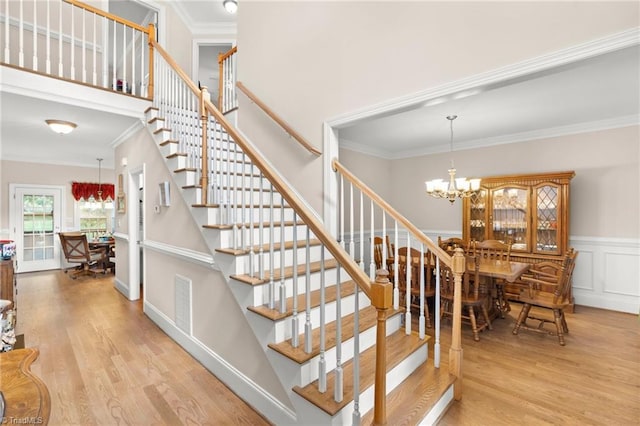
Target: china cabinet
(530, 211)
(8, 287)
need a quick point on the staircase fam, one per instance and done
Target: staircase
(306, 311)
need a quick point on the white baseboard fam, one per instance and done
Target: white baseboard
(122, 287)
(243, 386)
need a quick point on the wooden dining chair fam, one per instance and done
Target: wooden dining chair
(494, 250)
(416, 275)
(541, 279)
(474, 296)
(451, 244)
(378, 251)
(76, 250)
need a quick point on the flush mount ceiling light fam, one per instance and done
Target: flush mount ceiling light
(230, 6)
(60, 126)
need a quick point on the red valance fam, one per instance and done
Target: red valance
(84, 190)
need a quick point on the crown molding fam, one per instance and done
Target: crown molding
(493, 78)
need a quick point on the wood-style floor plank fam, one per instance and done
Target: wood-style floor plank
(105, 363)
(530, 379)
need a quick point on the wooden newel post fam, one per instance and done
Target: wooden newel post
(455, 352)
(152, 37)
(204, 176)
(382, 300)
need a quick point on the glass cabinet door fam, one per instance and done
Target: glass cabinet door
(546, 221)
(478, 216)
(509, 216)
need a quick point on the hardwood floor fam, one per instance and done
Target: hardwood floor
(106, 363)
(530, 379)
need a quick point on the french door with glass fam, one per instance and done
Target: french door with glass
(35, 222)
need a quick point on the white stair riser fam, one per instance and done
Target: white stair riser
(283, 328)
(312, 415)
(242, 261)
(224, 237)
(168, 148)
(310, 370)
(261, 292)
(155, 124)
(185, 178)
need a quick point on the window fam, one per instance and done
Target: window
(95, 219)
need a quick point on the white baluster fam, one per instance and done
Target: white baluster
(124, 62)
(60, 37)
(94, 75)
(384, 241)
(421, 324)
(72, 44)
(235, 200)
(7, 51)
(372, 263)
(396, 292)
(322, 366)
(48, 40)
(436, 310)
(307, 295)
(361, 231)
(356, 358)
(245, 175)
(407, 296)
(341, 212)
(283, 287)
(252, 253)
(35, 37)
(133, 62)
(261, 230)
(338, 390)
(21, 36)
(294, 316)
(115, 78)
(84, 46)
(352, 243)
(271, 260)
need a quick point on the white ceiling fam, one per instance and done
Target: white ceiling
(602, 91)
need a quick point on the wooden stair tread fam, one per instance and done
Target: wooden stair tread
(288, 245)
(346, 288)
(288, 272)
(399, 347)
(255, 225)
(248, 206)
(368, 318)
(168, 141)
(415, 397)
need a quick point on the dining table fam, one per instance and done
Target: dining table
(106, 245)
(500, 272)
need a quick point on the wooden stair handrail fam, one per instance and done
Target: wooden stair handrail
(275, 117)
(341, 256)
(416, 233)
(223, 56)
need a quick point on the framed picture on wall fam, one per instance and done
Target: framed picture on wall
(121, 203)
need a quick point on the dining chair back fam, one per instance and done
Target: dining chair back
(76, 250)
(549, 286)
(474, 297)
(419, 272)
(492, 249)
(451, 244)
(378, 251)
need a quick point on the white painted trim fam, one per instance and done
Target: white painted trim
(195, 52)
(133, 219)
(621, 40)
(128, 133)
(121, 286)
(121, 236)
(242, 385)
(203, 29)
(627, 38)
(438, 409)
(199, 258)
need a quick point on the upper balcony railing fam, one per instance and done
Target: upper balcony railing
(77, 42)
